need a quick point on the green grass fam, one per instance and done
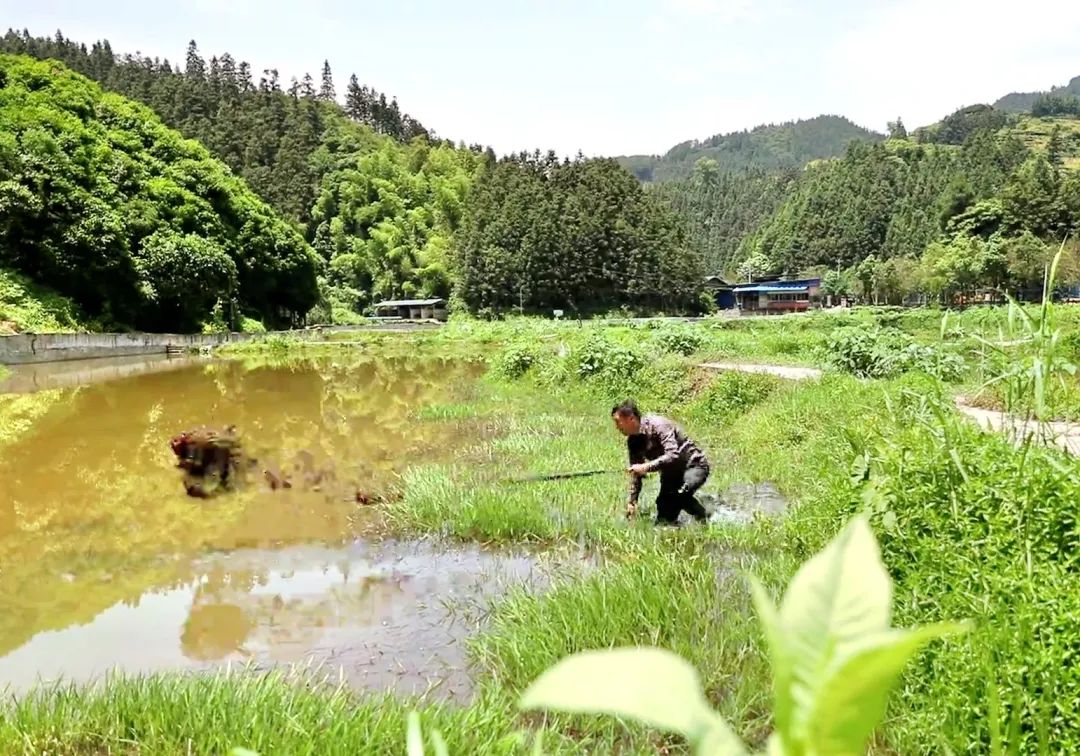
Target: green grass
(830, 446)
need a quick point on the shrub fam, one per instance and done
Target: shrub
(882, 353)
(250, 325)
(600, 356)
(515, 361)
(684, 341)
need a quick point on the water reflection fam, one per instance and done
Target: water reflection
(384, 613)
(95, 526)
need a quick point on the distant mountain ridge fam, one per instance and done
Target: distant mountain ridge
(792, 144)
(1023, 102)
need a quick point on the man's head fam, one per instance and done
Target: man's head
(627, 417)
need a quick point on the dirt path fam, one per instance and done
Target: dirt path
(781, 371)
(1065, 435)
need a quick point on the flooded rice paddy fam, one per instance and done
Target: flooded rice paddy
(107, 564)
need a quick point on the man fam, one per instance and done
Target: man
(655, 444)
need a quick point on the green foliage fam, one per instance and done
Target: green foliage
(960, 126)
(683, 340)
(579, 236)
(733, 393)
(27, 307)
(721, 210)
(1055, 105)
(834, 659)
(1032, 358)
(884, 352)
(135, 224)
(381, 213)
(1020, 102)
(600, 357)
(384, 220)
(972, 526)
(515, 361)
(250, 325)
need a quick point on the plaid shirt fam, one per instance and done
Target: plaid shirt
(661, 443)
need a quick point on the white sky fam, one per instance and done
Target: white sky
(614, 77)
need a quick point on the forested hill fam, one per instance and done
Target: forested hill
(268, 132)
(368, 187)
(1024, 102)
(389, 212)
(768, 147)
(140, 227)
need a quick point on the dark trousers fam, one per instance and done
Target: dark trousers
(677, 489)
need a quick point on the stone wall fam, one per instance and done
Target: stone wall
(28, 348)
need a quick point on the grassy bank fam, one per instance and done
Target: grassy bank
(971, 527)
(25, 306)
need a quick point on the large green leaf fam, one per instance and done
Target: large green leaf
(414, 740)
(851, 699)
(838, 597)
(719, 740)
(779, 658)
(651, 685)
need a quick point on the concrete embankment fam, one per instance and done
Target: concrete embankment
(29, 348)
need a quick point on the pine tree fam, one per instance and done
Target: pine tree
(326, 89)
(195, 68)
(307, 86)
(1055, 148)
(355, 102)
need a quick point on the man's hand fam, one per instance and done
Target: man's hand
(638, 471)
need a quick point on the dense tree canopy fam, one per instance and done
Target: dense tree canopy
(722, 208)
(103, 203)
(579, 235)
(385, 222)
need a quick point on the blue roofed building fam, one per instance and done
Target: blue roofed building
(777, 296)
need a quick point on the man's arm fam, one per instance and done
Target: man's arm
(666, 433)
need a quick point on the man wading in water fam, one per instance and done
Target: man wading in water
(657, 443)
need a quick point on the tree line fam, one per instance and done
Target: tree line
(377, 199)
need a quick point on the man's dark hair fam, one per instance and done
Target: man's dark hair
(628, 407)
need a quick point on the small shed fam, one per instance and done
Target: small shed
(722, 292)
(412, 309)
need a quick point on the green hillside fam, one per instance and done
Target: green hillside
(137, 225)
(1024, 102)
(772, 146)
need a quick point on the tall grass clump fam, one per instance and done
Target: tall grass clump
(731, 394)
(1031, 363)
(673, 593)
(971, 525)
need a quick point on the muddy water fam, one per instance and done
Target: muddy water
(106, 563)
(386, 616)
